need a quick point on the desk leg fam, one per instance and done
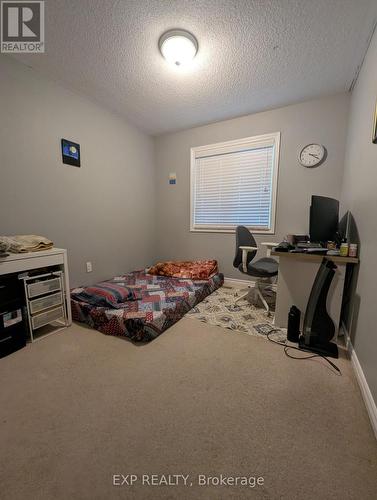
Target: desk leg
(295, 281)
(67, 290)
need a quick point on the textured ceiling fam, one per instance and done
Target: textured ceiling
(253, 55)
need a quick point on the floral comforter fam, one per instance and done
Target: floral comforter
(192, 269)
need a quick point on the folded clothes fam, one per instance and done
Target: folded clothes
(190, 269)
(24, 243)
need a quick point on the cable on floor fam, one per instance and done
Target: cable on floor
(287, 347)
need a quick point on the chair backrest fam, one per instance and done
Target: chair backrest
(243, 239)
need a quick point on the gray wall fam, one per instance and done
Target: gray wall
(322, 120)
(359, 194)
(101, 212)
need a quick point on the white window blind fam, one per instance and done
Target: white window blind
(234, 183)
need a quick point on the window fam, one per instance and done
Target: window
(235, 183)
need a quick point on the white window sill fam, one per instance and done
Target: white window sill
(231, 231)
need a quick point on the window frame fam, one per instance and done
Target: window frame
(272, 139)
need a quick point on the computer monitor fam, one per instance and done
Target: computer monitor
(344, 226)
(324, 215)
(347, 229)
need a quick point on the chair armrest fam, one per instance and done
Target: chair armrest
(245, 251)
(270, 245)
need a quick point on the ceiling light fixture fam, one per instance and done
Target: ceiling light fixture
(178, 47)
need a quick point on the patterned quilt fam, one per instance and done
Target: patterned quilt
(164, 300)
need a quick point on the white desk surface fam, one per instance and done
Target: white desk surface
(315, 257)
(29, 255)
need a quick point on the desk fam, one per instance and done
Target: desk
(297, 272)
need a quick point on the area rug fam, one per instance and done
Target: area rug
(220, 309)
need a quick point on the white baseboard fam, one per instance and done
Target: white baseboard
(236, 283)
(363, 384)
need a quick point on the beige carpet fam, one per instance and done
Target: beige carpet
(78, 407)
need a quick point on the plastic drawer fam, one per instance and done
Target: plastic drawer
(47, 317)
(37, 305)
(43, 286)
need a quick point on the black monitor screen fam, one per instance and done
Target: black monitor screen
(344, 226)
(324, 215)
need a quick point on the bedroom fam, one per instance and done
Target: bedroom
(203, 399)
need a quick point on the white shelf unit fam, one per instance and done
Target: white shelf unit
(44, 302)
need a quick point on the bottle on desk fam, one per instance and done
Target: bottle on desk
(352, 250)
(343, 251)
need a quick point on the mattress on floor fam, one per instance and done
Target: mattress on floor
(163, 302)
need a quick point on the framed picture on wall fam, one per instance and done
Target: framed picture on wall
(374, 135)
(71, 153)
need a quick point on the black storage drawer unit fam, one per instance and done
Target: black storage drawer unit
(12, 323)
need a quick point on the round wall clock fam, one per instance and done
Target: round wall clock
(313, 155)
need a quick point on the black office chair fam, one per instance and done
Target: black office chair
(263, 269)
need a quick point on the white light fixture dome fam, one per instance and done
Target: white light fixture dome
(178, 47)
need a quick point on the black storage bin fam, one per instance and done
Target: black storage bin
(12, 322)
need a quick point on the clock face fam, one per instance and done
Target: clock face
(313, 155)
